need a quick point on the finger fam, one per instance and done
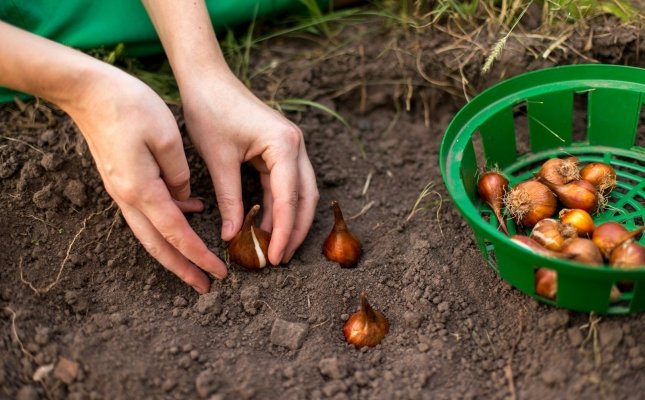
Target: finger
(284, 188)
(168, 151)
(307, 202)
(163, 252)
(167, 218)
(267, 203)
(227, 179)
(190, 206)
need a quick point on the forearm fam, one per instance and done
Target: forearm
(43, 68)
(187, 35)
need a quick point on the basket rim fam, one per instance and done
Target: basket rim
(509, 92)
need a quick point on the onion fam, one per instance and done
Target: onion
(529, 202)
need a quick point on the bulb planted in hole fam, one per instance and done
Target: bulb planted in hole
(341, 245)
(367, 326)
(250, 247)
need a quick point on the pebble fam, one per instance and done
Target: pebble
(185, 362)
(27, 393)
(187, 347)
(51, 162)
(194, 354)
(180, 302)
(206, 383)
(423, 347)
(173, 350)
(332, 368)
(412, 319)
(289, 372)
(75, 192)
(249, 296)
(209, 303)
(333, 387)
(610, 335)
(42, 336)
(168, 385)
(66, 370)
(288, 334)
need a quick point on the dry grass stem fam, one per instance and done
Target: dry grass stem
(367, 183)
(22, 142)
(47, 288)
(14, 332)
(365, 209)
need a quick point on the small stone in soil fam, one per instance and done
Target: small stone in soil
(206, 383)
(332, 368)
(66, 370)
(209, 303)
(27, 393)
(180, 302)
(75, 192)
(412, 319)
(288, 334)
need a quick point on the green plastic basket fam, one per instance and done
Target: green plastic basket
(487, 129)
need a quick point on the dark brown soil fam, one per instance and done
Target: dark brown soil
(456, 329)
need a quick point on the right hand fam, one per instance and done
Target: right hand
(138, 150)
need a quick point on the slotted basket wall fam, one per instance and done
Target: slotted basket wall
(487, 129)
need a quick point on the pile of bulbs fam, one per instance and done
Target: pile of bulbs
(574, 236)
(249, 249)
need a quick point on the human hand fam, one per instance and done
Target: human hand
(138, 150)
(229, 126)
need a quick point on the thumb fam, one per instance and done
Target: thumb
(226, 178)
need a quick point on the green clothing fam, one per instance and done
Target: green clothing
(87, 24)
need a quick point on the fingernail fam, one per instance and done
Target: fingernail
(199, 289)
(227, 229)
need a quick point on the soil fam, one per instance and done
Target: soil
(116, 325)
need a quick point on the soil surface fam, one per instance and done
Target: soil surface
(114, 324)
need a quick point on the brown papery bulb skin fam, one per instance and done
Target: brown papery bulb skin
(529, 202)
(492, 186)
(366, 327)
(628, 255)
(551, 234)
(579, 219)
(601, 175)
(536, 247)
(546, 283)
(559, 171)
(341, 245)
(577, 194)
(609, 235)
(583, 251)
(250, 247)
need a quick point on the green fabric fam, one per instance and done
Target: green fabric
(87, 24)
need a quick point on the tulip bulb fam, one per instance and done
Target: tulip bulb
(609, 235)
(536, 247)
(552, 234)
(577, 194)
(601, 175)
(529, 202)
(579, 219)
(559, 171)
(249, 248)
(582, 250)
(629, 255)
(492, 187)
(341, 245)
(546, 283)
(367, 326)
